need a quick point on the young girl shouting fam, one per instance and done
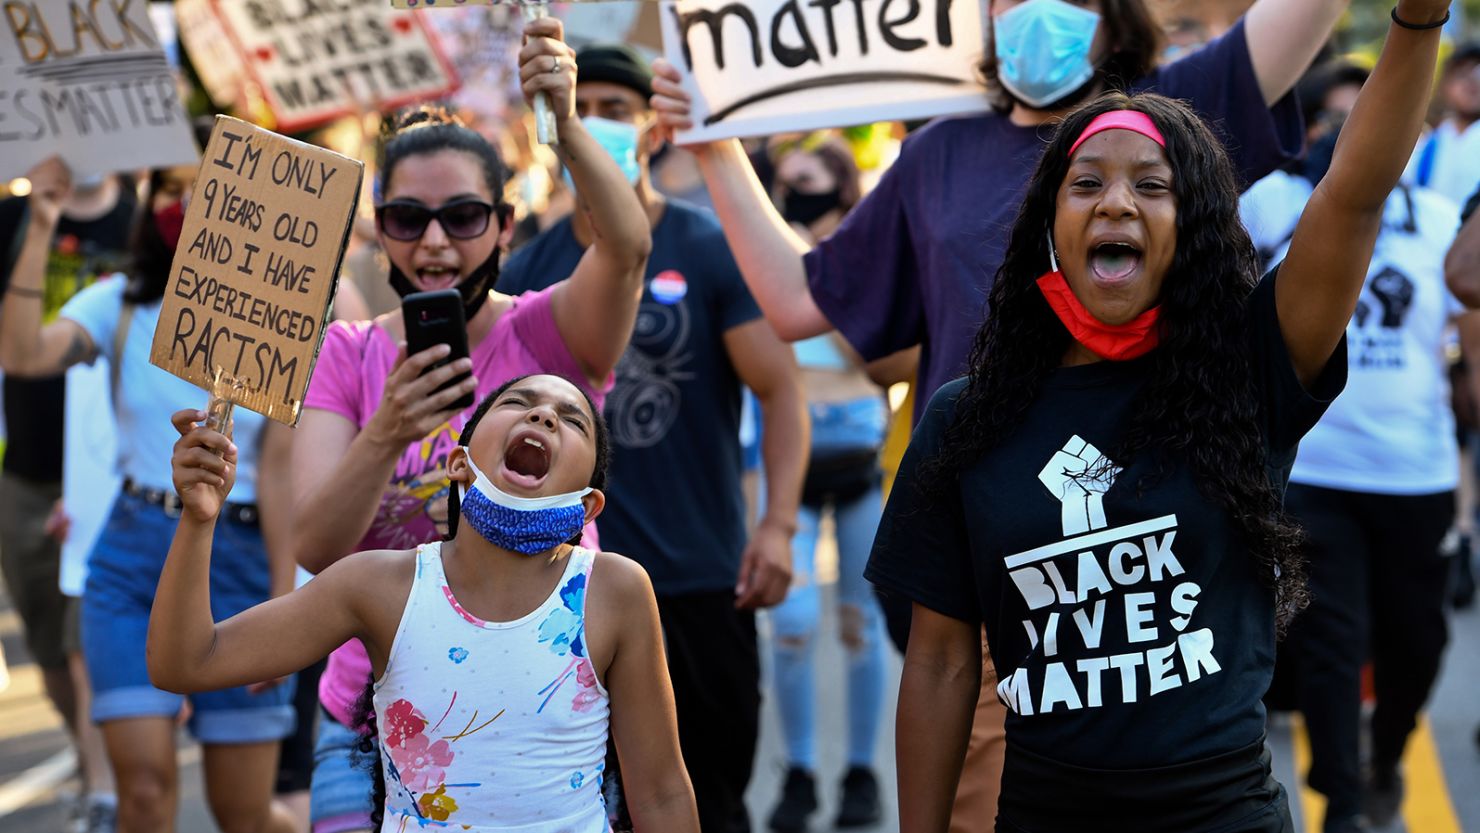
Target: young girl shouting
(493, 697)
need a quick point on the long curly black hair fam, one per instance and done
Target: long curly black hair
(1198, 407)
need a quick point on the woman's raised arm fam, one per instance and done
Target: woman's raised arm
(596, 307)
(1327, 263)
(27, 347)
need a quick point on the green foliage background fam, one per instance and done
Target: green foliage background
(1367, 22)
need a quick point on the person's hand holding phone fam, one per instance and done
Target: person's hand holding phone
(412, 407)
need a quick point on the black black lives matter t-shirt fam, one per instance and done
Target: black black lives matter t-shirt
(1128, 630)
(81, 252)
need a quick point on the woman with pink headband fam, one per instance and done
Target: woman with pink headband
(1103, 490)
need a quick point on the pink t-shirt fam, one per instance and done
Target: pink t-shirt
(356, 359)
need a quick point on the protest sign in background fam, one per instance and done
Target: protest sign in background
(258, 260)
(769, 66)
(314, 62)
(87, 81)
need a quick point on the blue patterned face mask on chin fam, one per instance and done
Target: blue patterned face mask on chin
(522, 524)
(1043, 49)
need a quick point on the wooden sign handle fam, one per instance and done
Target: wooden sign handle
(544, 119)
(219, 406)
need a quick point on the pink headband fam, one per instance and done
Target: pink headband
(1132, 120)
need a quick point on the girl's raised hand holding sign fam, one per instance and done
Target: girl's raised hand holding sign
(204, 466)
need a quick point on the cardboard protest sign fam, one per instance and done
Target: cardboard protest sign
(316, 61)
(255, 271)
(769, 66)
(88, 81)
(218, 66)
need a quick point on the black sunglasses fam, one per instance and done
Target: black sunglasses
(460, 219)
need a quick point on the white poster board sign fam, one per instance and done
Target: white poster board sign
(87, 81)
(759, 67)
(316, 62)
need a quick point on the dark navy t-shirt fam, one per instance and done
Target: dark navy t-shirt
(1129, 626)
(912, 263)
(673, 501)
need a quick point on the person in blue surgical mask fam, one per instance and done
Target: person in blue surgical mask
(913, 262)
(675, 418)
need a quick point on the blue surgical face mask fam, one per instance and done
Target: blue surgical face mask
(89, 182)
(526, 525)
(619, 140)
(1043, 49)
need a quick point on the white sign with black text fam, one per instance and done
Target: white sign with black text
(766, 66)
(88, 81)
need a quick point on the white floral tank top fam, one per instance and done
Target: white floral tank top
(492, 726)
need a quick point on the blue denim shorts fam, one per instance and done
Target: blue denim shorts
(343, 784)
(123, 573)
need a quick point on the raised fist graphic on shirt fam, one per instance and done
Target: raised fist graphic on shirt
(1394, 291)
(1078, 475)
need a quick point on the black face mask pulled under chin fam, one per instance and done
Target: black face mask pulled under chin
(474, 289)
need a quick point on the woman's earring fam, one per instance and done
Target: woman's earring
(1053, 261)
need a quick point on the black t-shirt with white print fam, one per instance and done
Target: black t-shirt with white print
(1128, 630)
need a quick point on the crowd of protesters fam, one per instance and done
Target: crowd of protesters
(1189, 343)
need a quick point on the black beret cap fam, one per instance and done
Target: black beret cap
(617, 64)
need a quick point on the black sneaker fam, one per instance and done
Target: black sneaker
(860, 804)
(1384, 796)
(798, 801)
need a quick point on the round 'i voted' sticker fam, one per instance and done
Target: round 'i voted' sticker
(669, 287)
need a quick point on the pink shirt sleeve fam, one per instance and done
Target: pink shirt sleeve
(335, 385)
(533, 321)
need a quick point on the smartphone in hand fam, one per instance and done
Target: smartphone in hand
(433, 318)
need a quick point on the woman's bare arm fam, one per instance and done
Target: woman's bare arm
(766, 248)
(937, 699)
(596, 306)
(28, 348)
(1327, 263)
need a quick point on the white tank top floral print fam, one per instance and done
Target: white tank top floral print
(492, 726)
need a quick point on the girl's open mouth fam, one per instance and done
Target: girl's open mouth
(527, 460)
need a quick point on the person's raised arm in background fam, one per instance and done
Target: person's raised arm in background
(1326, 267)
(27, 346)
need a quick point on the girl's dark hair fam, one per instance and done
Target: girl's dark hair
(1198, 408)
(149, 270)
(598, 426)
(421, 130)
(1135, 45)
(366, 753)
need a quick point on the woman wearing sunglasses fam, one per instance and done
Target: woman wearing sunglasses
(369, 468)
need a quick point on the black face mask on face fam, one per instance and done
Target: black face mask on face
(809, 208)
(473, 289)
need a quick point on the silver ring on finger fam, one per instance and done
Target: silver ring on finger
(555, 67)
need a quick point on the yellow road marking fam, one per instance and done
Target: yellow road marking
(1427, 807)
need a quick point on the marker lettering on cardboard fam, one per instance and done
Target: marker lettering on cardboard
(87, 80)
(249, 294)
(764, 66)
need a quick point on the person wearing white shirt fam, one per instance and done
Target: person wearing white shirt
(1374, 482)
(1448, 158)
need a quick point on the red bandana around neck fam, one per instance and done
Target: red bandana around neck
(1116, 343)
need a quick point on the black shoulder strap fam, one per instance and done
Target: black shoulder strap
(17, 239)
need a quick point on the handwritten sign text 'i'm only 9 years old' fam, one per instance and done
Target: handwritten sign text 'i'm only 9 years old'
(257, 265)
